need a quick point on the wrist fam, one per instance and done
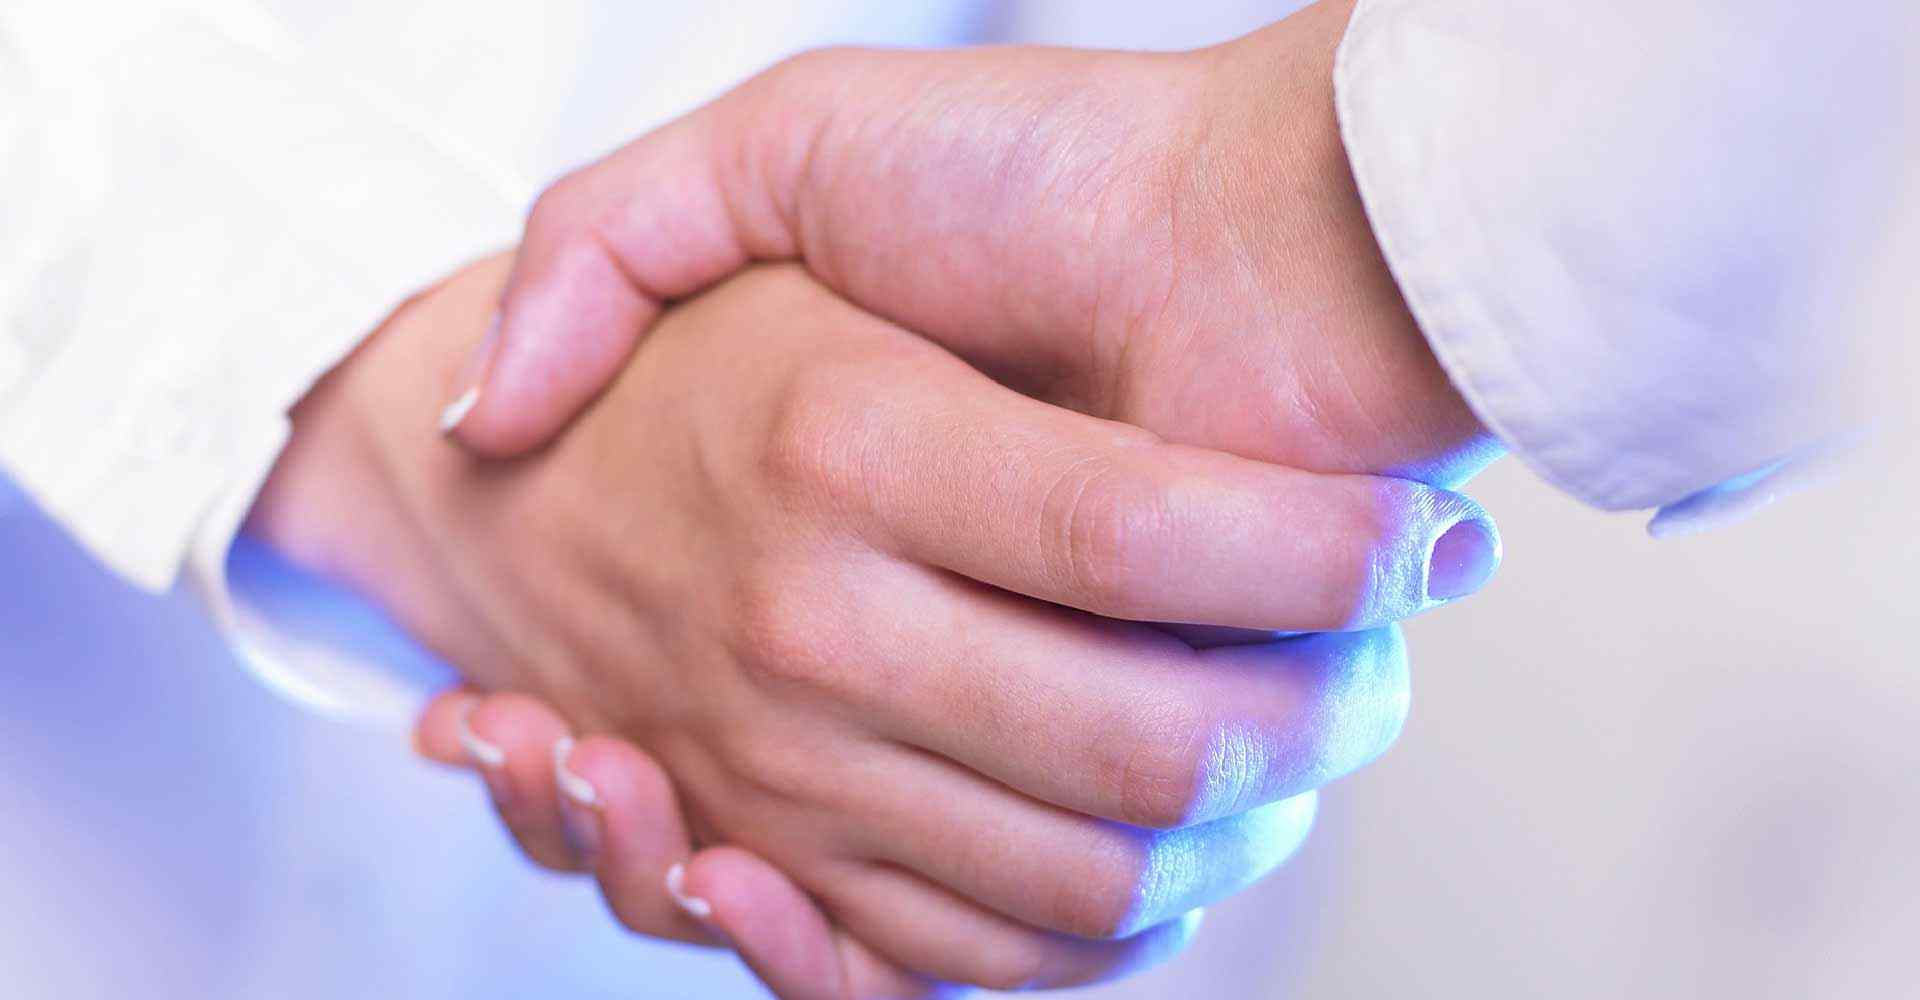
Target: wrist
(358, 496)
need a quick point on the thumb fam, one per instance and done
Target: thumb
(604, 249)
(942, 191)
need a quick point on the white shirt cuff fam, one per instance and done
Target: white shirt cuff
(1612, 259)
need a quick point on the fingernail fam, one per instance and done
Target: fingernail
(579, 804)
(484, 753)
(572, 785)
(471, 377)
(697, 908)
(457, 410)
(1462, 560)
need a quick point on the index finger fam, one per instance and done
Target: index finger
(961, 473)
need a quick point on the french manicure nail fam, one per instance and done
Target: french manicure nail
(579, 804)
(697, 908)
(486, 754)
(1462, 560)
(572, 785)
(471, 377)
(457, 410)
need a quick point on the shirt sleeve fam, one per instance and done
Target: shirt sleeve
(201, 221)
(1642, 237)
(199, 224)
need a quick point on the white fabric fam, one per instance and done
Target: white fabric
(1641, 236)
(210, 203)
(201, 221)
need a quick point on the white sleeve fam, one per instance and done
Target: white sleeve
(198, 224)
(1643, 237)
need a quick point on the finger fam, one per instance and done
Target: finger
(1064, 872)
(777, 929)
(782, 935)
(719, 896)
(953, 470)
(640, 832)
(436, 735)
(925, 927)
(1111, 719)
(511, 737)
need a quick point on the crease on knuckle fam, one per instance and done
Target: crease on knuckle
(1105, 900)
(1382, 578)
(1159, 781)
(1107, 528)
(1195, 770)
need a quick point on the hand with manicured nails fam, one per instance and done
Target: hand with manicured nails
(1173, 242)
(604, 806)
(860, 601)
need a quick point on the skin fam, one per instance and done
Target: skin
(1127, 236)
(1171, 241)
(826, 575)
(1174, 241)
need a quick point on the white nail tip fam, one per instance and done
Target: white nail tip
(697, 908)
(457, 410)
(477, 748)
(571, 785)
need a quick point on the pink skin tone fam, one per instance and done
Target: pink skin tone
(1127, 236)
(860, 602)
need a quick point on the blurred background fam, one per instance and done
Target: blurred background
(1685, 768)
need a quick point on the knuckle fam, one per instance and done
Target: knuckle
(1105, 901)
(783, 629)
(813, 448)
(1160, 781)
(1184, 767)
(1110, 523)
(1377, 567)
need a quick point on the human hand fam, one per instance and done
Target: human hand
(605, 806)
(1171, 241)
(782, 554)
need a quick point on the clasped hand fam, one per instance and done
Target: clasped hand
(894, 633)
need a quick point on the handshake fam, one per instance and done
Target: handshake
(963, 499)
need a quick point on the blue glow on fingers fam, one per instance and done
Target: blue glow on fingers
(1190, 868)
(1317, 708)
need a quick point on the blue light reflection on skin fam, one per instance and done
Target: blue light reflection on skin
(172, 828)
